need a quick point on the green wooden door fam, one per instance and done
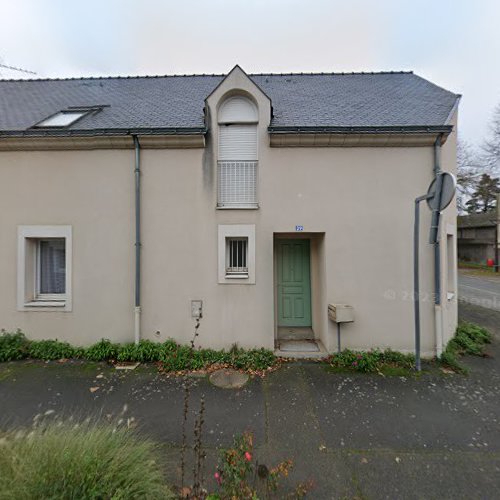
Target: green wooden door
(294, 283)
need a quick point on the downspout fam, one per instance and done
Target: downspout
(497, 240)
(137, 176)
(435, 239)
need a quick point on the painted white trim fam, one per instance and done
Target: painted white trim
(453, 110)
(26, 280)
(56, 143)
(239, 207)
(236, 231)
(44, 303)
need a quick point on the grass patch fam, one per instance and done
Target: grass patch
(170, 356)
(469, 339)
(85, 462)
(387, 362)
(5, 373)
(477, 269)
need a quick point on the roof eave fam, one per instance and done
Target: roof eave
(408, 129)
(103, 132)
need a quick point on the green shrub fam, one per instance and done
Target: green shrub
(254, 359)
(182, 357)
(174, 357)
(145, 352)
(371, 361)
(102, 351)
(469, 339)
(13, 345)
(213, 357)
(450, 359)
(50, 349)
(87, 462)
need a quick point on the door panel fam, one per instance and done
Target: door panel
(294, 283)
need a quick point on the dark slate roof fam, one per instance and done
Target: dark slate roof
(478, 220)
(395, 99)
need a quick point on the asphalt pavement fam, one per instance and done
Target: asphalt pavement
(354, 436)
(483, 291)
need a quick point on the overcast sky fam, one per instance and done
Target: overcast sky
(453, 43)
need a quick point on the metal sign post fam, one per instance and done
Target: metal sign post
(437, 202)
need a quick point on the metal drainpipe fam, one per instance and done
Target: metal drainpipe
(137, 176)
(497, 241)
(435, 239)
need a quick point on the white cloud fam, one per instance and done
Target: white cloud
(453, 43)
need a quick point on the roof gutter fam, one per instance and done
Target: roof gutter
(410, 129)
(103, 132)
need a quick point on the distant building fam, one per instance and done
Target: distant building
(478, 237)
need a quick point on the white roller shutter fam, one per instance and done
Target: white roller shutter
(237, 142)
(237, 156)
(238, 110)
(237, 184)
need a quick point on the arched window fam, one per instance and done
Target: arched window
(237, 157)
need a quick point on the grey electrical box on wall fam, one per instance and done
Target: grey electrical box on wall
(196, 308)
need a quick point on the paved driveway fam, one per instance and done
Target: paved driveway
(355, 436)
(479, 290)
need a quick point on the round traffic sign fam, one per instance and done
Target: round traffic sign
(448, 190)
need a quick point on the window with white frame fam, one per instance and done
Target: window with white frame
(44, 267)
(237, 157)
(237, 253)
(51, 269)
(237, 257)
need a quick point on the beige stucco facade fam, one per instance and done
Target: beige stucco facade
(354, 203)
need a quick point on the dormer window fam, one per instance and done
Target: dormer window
(237, 157)
(61, 119)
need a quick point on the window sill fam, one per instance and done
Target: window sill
(46, 303)
(237, 207)
(236, 276)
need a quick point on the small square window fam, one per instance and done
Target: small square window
(236, 254)
(44, 267)
(236, 257)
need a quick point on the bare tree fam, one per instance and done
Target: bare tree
(491, 146)
(468, 173)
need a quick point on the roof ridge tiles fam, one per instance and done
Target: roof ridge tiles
(129, 77)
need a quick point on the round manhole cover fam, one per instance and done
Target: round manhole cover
(228, 379)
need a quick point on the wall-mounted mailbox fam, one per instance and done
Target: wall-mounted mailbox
(341, 313)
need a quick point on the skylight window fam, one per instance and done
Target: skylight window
(62, 119)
